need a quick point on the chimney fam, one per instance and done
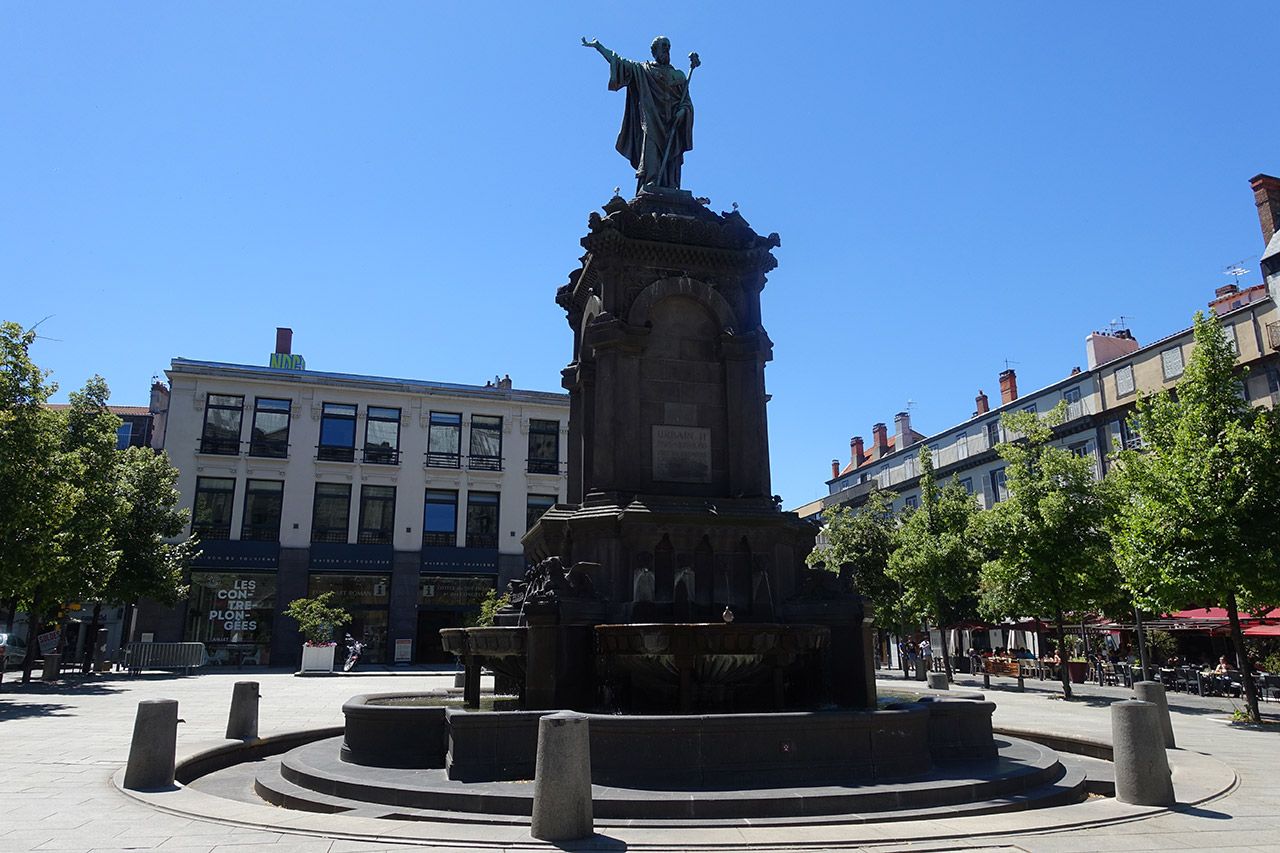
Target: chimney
(1101, 347)
(1008, 386)
(855, 450)
(835, 468)
(1266, 193)
(982, 404)
(879, 440)
(284, 340)
(901, 430)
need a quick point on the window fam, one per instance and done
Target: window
(1072, 396)
(1229, 330)
(967, 485)
(222, 414)
(962, 446)
(331, 513)
(1030, 409)
(882, 476)
(1171, 362)
(909, 467)
(535, 507)
(999, 489)
(124, 435)
(211, 513)
(262, 502)
(440, 519)
(912, 502)
(382, 436)
(482, 520)
(933, 454)
(444, 440)
(1124, 380)
(544, 447)
(377, 515)
(1130, 437)
(993, 433)
(337, 433)
(270, 434)
(1273, 380)
(486, 443)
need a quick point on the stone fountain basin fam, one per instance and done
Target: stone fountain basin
(676, 751)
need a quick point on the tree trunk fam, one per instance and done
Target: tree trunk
(92, 641)
(946, 654)
(1242, 659)
(1064, 670)
(1142, 644)
(34, 619)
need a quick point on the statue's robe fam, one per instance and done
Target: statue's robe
(654, 96)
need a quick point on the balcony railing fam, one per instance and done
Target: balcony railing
(381, 456)
(374, 537)
(221, 446)
(484, 463)
(211, 531)
(444, 460)
(439, 539)
(330, 453)
(270, 448)
(260, 532)
(329, 534)
(544, 466)
(482, 540)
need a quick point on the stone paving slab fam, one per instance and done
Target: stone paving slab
(59, 745)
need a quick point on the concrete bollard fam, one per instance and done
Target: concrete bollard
(154, 746)
(1153, 692)
(52, 668)
(242, 723)
(938, 681)
(922, 669)
(562, 779)
(1141, 766)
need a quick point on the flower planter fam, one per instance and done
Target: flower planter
(318, 658)
(1078, 670)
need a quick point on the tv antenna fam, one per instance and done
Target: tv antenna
(1121, 322)
(911, 404)
(1237, 269)
(1008, 364)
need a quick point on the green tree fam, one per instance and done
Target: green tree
(39, 486)
(317, 617)
(1047, 548)
(1199, 522)
(934, 558)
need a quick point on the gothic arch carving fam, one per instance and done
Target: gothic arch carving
(692, 288)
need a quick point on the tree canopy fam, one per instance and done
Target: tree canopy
(1199, 522)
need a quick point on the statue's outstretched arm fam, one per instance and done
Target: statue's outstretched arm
(604, 51)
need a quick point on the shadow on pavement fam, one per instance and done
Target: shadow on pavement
(18, 711)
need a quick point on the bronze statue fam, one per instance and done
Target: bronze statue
(657, 122)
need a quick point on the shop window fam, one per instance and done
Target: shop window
(231, 612)
(544, 447)
(482, 520)
(486, 443)
(382, 436)
(262, 502)
(211, 512)
(331, 513)
(440, 519)
(222, 416)
(337, 433)
(366, 598)
(444, 440)
(270, 434)
(535, 507)
(377, 515)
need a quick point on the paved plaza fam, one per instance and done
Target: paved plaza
(60, 745)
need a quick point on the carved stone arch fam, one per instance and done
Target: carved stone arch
(688, 287)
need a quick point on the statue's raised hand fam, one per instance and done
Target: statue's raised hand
(592, 43)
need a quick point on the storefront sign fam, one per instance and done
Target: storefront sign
(404, 651)
(455, 591)
(48, 642)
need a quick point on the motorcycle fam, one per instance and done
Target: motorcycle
(355, 650)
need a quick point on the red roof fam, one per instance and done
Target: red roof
(115, 410)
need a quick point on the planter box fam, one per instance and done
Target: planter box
(1078, 670)
(318, 658)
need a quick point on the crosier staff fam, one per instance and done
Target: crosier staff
(694, 62)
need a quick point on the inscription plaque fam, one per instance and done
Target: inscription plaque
(681, 454)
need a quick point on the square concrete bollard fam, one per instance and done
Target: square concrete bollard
(562, 779)
(1153, 692)
(938, 681)
(1141, 766)
(922, 669)
(154, 747)
(242, 722)
(52, 667)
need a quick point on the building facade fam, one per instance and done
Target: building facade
(405, 498)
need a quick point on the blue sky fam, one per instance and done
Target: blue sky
(405, 184)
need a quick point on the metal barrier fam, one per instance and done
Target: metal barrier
(184, 656)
